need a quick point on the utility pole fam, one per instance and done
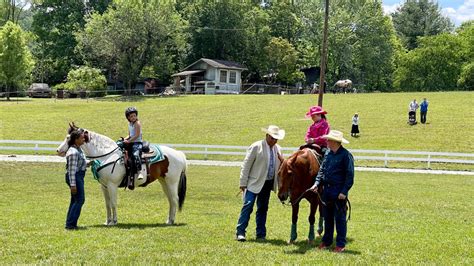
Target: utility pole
(324, 54)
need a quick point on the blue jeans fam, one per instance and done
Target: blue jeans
(77, 200)
(334, 211)
(136, 150)
(262, 199)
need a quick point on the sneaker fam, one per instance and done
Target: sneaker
(261, 239)
(71, 228)
(339, 249)
(322, 246)
(241, 238)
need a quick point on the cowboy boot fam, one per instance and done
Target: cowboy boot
(131, 183)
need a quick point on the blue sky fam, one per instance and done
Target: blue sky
(457, 10)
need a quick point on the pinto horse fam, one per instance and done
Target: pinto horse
(170, 172)
(295, 178)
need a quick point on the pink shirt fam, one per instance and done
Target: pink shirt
(316, 131)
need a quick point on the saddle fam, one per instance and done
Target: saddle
(150, 154)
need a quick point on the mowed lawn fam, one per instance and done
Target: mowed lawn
(237, 119)
(396, 219)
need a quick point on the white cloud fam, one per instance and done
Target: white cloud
(388, 9)
(463, 13)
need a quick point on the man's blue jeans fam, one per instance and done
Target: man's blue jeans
(334, 211)
(262, 199)
(77, 200)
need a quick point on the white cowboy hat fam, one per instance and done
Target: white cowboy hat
(274, 131)
(336, 136)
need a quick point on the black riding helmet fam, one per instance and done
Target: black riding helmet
(130, 110)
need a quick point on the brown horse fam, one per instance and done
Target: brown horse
(296, 177)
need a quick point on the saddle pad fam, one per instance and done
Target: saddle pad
(159, 154)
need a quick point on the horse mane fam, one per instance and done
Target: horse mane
(101, 141)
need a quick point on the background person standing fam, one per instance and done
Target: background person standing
(355, 125)
(258, 177)
(423, 110)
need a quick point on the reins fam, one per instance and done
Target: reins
(95, 157)
(297, 201)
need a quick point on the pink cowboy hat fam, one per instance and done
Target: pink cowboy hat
(315, 110)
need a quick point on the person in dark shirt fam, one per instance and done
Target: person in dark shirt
(336, 175)
(423, 110)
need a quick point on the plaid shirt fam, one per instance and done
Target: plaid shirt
(76, 161)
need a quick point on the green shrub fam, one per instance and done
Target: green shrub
(466, 79)
(87, 79)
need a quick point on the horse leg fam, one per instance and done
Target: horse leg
(321, 219)
(169, 195)
(311, 220)
(173, 201)
(107, 205)
(294, 221)
(113, 202)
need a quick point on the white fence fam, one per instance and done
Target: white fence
(206, 150)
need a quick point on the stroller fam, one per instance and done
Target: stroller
(412, 118)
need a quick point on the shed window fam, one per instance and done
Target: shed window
(233, 77)
(223, 76)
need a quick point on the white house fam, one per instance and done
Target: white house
(210, 76)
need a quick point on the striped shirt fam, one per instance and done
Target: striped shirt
(76, 161)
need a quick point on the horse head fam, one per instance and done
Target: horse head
(296, 174)
(64, 146)
(94, 143)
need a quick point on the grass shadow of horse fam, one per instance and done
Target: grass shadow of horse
(302, 247)
(139, 226)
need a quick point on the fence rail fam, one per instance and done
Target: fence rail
(225, 150)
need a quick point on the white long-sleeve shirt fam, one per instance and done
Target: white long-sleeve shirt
(355, 120)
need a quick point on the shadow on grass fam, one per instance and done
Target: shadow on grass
(136, 225)
(16, 100)
(120, 98)
(303, 246)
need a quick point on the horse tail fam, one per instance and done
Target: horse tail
(182, 190)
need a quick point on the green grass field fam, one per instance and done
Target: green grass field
(396, 219)
(237, 119)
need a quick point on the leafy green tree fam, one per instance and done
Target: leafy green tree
(282, 58)
(434, 65)
(417, 18)
(285, 21)
(16, 60)
(466, 78)
(374, 47)
(87, 79)
(54, 24)
(257, 37)
(11, 10)
(132, 35)
(216, 29)
(466, 35)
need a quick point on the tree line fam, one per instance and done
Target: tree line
(415, 48)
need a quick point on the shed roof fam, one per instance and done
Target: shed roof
(219, 64)
(188, 72)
